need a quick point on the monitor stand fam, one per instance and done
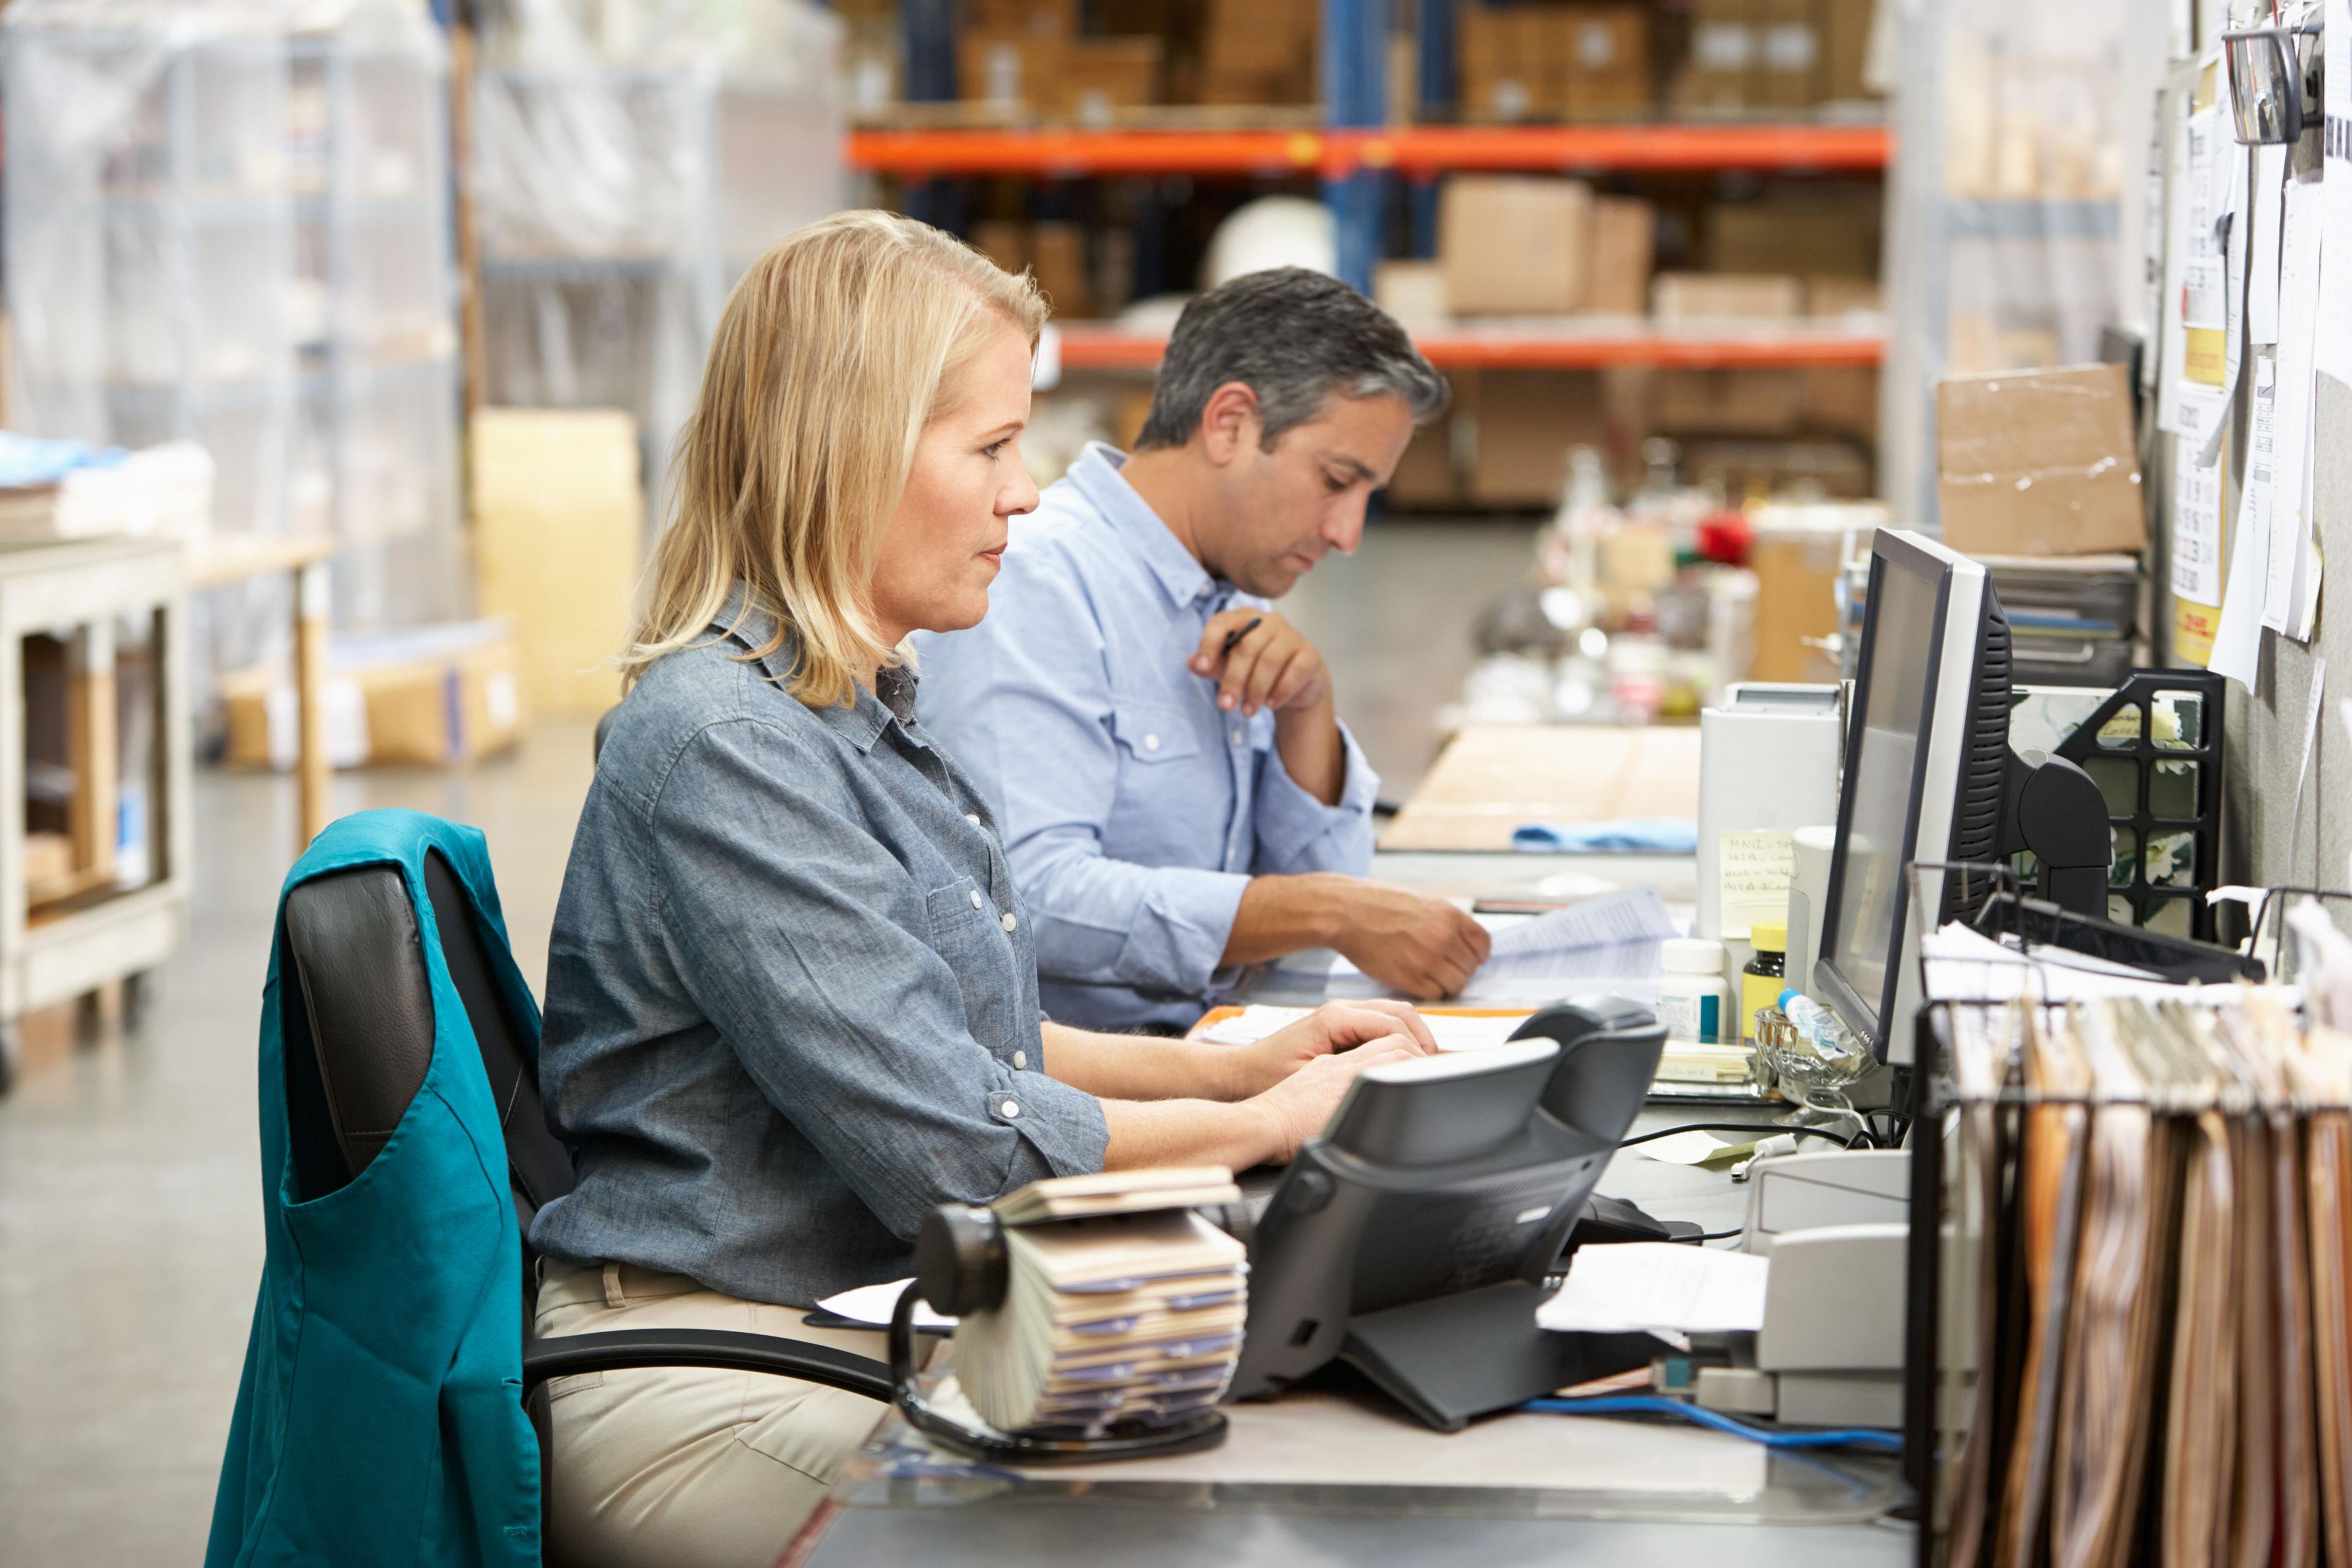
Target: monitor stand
(1454, 1357)
(2054, 808)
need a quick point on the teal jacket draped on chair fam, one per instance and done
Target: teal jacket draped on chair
(380, 1419)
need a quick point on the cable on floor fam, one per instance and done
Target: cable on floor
(1868, 1437)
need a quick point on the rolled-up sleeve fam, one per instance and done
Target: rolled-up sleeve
(776, 907)
(1297, 833)
(1025, 704)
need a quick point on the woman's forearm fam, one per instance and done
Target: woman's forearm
(1191, 1132)
(1149, 1066)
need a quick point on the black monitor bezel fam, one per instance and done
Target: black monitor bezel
(1889, 551)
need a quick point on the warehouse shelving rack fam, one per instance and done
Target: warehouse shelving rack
(1356, 154)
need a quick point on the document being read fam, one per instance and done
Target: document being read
(1605, 944)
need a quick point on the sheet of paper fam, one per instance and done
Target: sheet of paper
(2299, 275)
(1635, 914)
(1753, 871)
(1452, 1031)
(2238, 639)
(2188, 165)
(2230, 168)
(2263, 244)
(2334, 323)
(2196, 525)
(1650, 1285)
(875, 1303)
(1693, 1149)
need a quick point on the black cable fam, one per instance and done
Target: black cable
(1712, 1235)
(1761, 1130)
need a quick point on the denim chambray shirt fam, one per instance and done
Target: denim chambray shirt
(792, 996)
(1135, 812)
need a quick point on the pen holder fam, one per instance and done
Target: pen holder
(963, 1266)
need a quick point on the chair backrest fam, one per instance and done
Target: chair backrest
(367, 1008)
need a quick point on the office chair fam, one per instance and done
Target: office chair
(359, 965)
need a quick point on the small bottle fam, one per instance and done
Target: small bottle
(1694, 999)
(1764, 978)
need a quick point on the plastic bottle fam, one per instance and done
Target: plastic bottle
(1694, 999)
(1836, 1045)
(1766, 975)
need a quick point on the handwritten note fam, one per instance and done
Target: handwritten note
(1755, 868)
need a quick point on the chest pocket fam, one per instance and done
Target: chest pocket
(1153, 731)
(967, 935)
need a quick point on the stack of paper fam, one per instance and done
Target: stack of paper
(1108, 1319)
(1452, 1031)
(1659, 1287)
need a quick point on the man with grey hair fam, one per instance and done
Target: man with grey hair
(1176, 793)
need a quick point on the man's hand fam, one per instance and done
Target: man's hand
(1299, 1107)
(1423, 947)
(1331, 1029)
(1272, 666)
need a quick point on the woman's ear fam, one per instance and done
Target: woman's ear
(1229, 419)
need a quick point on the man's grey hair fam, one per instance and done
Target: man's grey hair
(1296, 339)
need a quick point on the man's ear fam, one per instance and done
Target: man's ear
(1228, 420)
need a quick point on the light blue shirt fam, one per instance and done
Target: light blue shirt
(1134, 813)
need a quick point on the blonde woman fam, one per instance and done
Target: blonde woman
(792, 998)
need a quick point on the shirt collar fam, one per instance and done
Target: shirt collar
(747, 618)
(1098, 476)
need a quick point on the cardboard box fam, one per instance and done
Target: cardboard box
(1811, 233)
(426, 696)
(2039, 462)
(1013, 71)
(1057, 255)
(559, 538)
(1846, 49)
(1514, 246)
(1412, 291)
(1719, 76)
(1842, 400)
(1624, 242)
(1827, 296)
(1257, 38)
(1503, 54)
(1100, 76)
(1728, 402)
(1601, 61)
(1518, 427)
(1425, 476)
(1717, 296)
(1788, 55)
(1002, 242)
(1796, 603)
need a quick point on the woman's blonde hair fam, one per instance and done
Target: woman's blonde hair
(834, 350)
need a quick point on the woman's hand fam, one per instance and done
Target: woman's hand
(1331, 1029)
(1300, 1106)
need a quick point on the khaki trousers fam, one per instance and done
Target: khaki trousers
(680, 1467)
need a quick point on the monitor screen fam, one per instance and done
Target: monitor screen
(1880, 813)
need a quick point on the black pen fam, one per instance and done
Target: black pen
(1234, 637)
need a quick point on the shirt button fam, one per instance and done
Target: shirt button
(1010, 1108)
(1240, 739)
(975, 897)
(1150, 742)
(1007, 922)
(972, 817)
(1020, 1059)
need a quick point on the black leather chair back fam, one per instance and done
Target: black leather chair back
(365, 1016)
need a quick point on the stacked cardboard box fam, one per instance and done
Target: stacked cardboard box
(1018, 58)
(1763, 57)
(1523, 246)
(1258, 51)
(1554, 62)
(1055, 253)
(426, 696)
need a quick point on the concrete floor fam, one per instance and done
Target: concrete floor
(129, 1233)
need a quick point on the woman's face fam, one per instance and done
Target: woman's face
(946, 541)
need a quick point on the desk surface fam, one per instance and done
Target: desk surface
(1495, 778)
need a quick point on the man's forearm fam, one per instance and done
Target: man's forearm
(1280, 915)
(1145, 1067)
(1313, 753)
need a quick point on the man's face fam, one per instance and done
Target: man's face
(1282, 511)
